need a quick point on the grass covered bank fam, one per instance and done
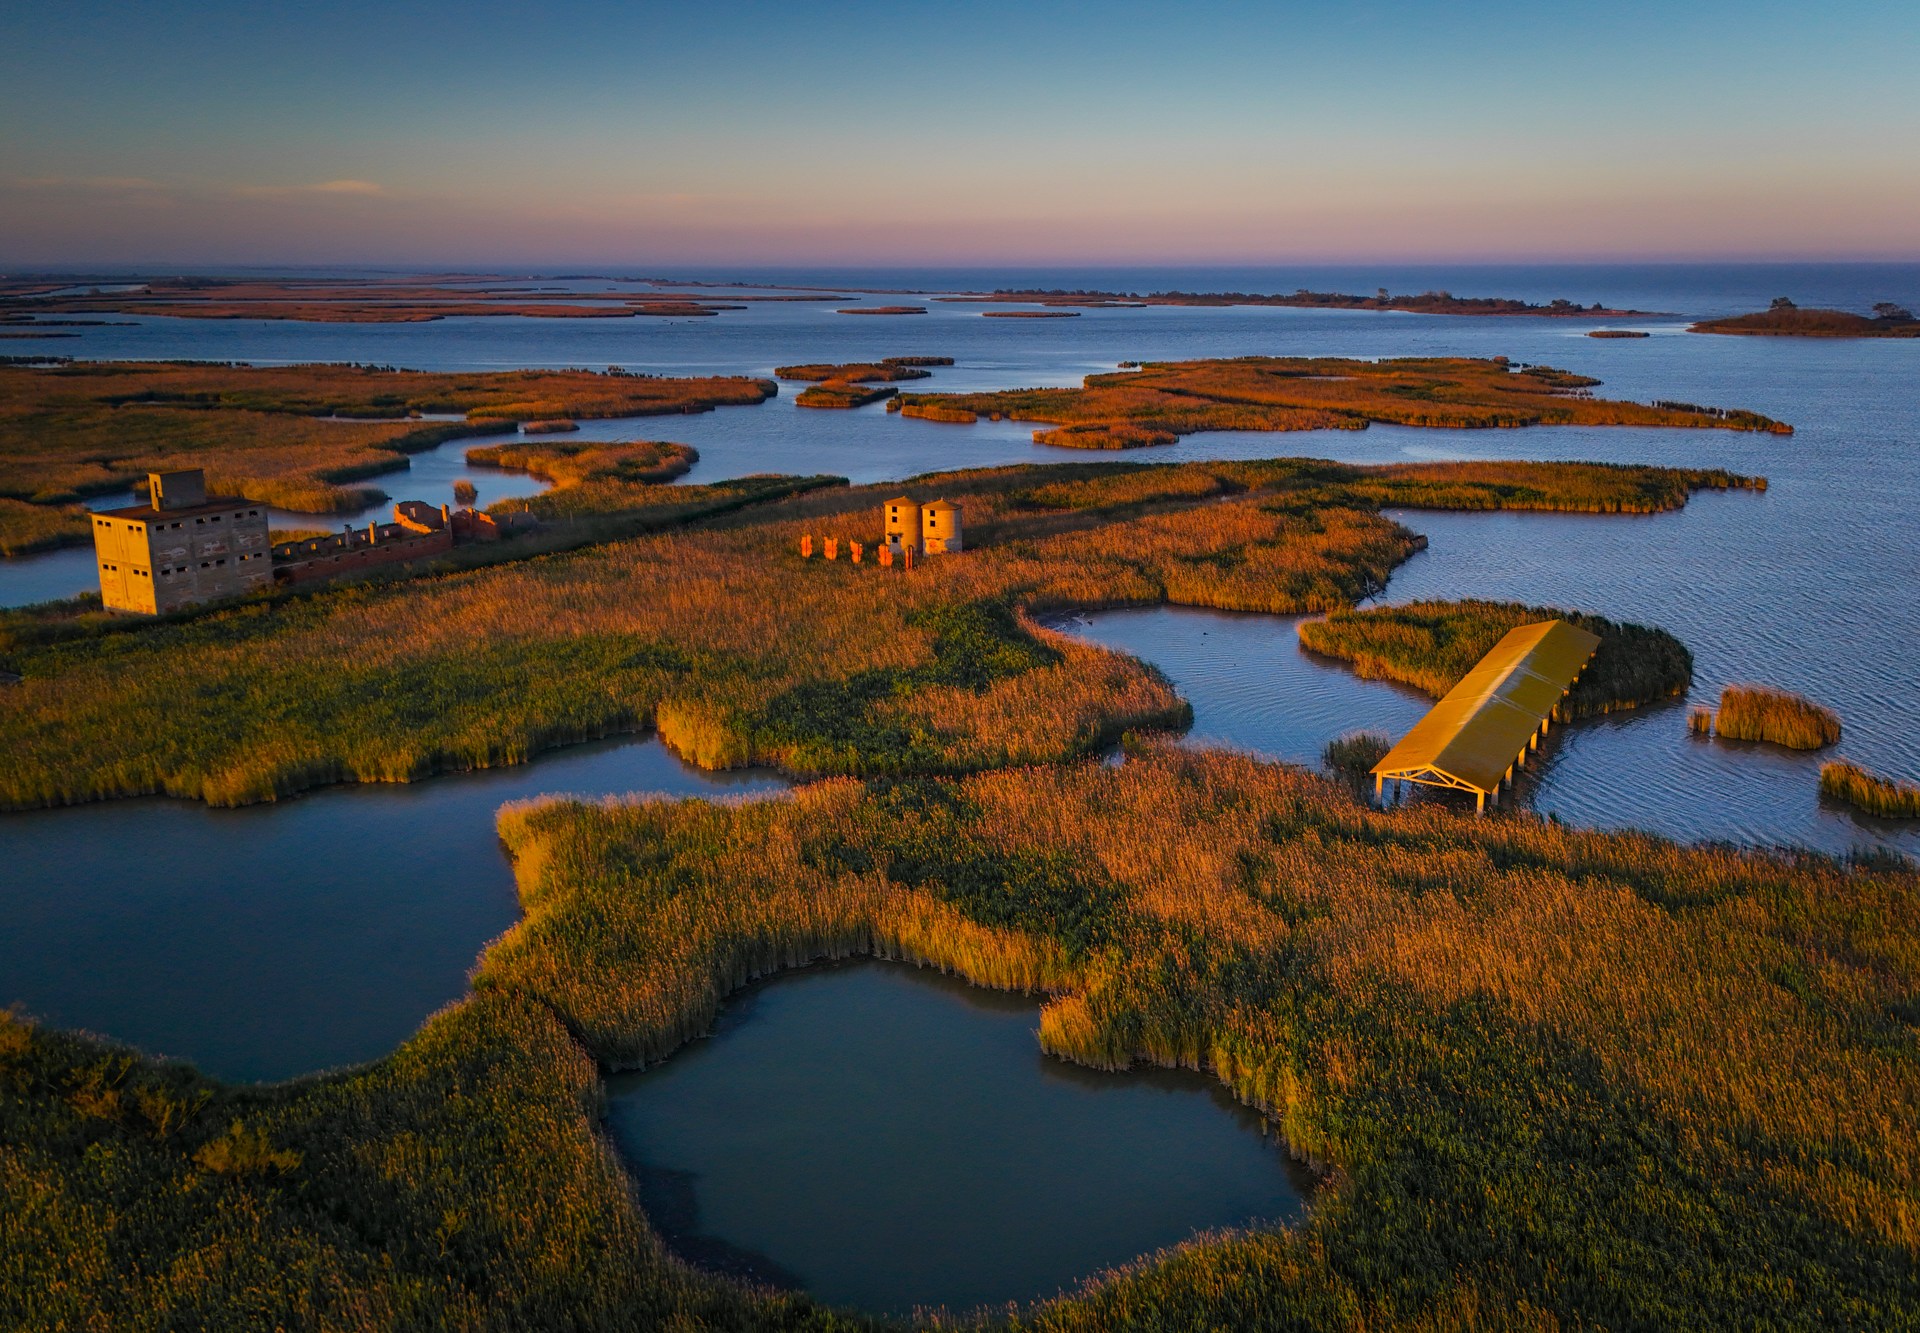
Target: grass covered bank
(743, 651)
(1432, 645)
(1561, 1078)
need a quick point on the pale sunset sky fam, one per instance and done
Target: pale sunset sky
(488, 133)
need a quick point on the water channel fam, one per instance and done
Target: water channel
(886, 1137)
(279, 939)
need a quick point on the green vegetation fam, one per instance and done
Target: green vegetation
(1787, 320)
(292, 436)
(1869, 791)
(887, 370)
(1762, 713)
(1431, 645)
(812, 666)
(1351, 758)
(842, 394)
(28, 527)
(1560, 1079)
(1306, 393)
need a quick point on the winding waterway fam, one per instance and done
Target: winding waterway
(886, 1137)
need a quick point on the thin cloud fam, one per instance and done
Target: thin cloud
(339, 187)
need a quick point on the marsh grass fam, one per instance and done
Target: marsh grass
(1762, 713)
(292, 436)
(1306, 393)
(1351, 758)
(1451, 1017)
(814, 667)
(1870, 792)
(25, 528)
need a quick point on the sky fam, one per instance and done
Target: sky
(487, 133)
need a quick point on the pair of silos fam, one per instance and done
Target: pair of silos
(931, 529)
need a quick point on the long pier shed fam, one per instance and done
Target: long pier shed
(1480, 733)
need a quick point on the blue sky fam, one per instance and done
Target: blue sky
(929, 133)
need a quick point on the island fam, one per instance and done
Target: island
(1784, 319)
(1162, 400)
(856, 384)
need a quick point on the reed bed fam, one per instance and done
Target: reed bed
(292, 436)
(1104, 437)
(1762, 713)
(25, 527)
(1432, 645)
(1307, 393)
(1351, 758)
(843, 394)
(1864, 790)
(1555, 1078)
(811, 666)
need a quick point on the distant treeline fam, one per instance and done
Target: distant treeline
(1426, 303)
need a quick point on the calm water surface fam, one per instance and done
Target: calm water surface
(886, 1137)
(283, 938)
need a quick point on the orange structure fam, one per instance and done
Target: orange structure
(806, 547)
(833, 548)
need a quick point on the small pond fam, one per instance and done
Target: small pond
(889, 1138)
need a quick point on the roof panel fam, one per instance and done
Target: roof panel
(1483, 723)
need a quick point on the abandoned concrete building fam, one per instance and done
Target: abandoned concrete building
(418, 530)
(185, 547)
(181, 548)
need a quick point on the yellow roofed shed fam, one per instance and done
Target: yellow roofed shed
(1482, 730)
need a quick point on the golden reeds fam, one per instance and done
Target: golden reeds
(1869, 791)
(1762, 713)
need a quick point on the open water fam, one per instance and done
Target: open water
(886, 1137)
